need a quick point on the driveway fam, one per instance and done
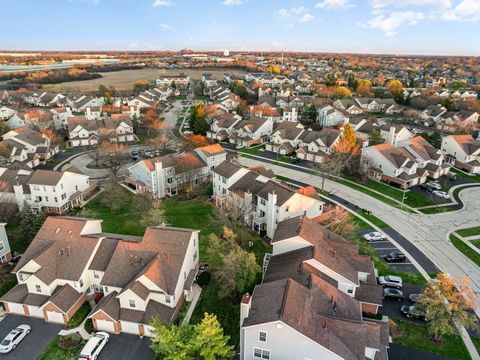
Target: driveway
(391, 308)
(33, 345)
(400, 352)
(125, 346)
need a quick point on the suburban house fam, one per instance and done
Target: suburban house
(26, 146)
(463, 152)
(328, 116)
(181, 81)
(433, 113)
(285, 138)
(35, 119)
(80, 103)
(6, 113)
(71, 259)
(253, 131)
(223, 126)
(208, 80)
(167, 175)
(456, 121)
(83, 132)
(309, 305)
(394, 134)
(60, 117)
(254, 197)
(315, 146)
(5, 252)
(349, 106)
(395, 165)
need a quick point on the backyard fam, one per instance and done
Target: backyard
(196, 213)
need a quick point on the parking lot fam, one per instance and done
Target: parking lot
(125, 346)
(391, 308)
(33, 344)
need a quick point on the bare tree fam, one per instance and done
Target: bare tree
(115, 155)
(8, 205)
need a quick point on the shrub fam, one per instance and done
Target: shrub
(79, 316)
(69, 341)
(89, 326)
(204, 278)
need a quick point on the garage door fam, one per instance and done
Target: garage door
(35, 311)
(129, 327)
(149, 331)
(104, 325)
(16, 308)
(56, 317)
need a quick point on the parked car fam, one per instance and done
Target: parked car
(412, 311)
(395, 256)
(425, 187)
(413, 298)
(14, 338)
(441, 194)
(294, 160)
(391, 281)
(94, 346)
(374, 236)
(451, 176)
(393, 294)
(434, 185)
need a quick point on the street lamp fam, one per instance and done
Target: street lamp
(403, 198)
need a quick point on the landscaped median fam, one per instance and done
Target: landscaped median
(63, 348)
(465, 249)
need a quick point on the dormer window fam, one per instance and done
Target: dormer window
(38, 288)
(131, 303)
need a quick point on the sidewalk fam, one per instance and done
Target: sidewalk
(197, 290)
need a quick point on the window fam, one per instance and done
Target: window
(287, 208)
(1, 246)
(262, 201)
(20, 276)
(131, 303)
(95, 275)
(262, 336)
(81, 282)
(56, 200)
(195, 256)
(46, 198)
(168, 299)
(350, 290)
(38, 288)
(261, 353)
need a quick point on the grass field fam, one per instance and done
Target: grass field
(465, 249)
(416, 336)
(123, 80)
(469, 231)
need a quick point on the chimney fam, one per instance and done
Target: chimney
(245, 306)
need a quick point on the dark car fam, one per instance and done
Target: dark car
(426, 187)
(395, 256)
(294, 160)
(411, 311)
(393, 294)
(413, 298)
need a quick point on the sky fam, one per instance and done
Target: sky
(428, 27)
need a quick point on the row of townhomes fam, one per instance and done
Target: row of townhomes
(309, 305)
(53, 192)
(26, 146)
(406, 163)
(71, 260)
(167, 175)
(463, 152)
(258, 199)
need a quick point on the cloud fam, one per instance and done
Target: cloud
(466, 10)
(306, 18)
(390, 23)
(165, 27)
(299, 13)
(333, 4)
(233, 2)
(158, 3)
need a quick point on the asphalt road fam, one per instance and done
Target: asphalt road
(33, 344)
(125, 346)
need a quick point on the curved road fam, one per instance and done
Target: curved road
(429, 233)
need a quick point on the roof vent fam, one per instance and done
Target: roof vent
(325, 325)
(57, 230)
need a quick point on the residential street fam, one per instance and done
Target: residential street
(429, 233)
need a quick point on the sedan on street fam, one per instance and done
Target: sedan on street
(395, 256)
(14, 338)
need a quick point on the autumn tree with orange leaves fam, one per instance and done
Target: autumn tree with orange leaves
(447, 306)
(345, 154)
(341, 92)
(194, 141)
(395, 87)
(364, 88)
(263, 110)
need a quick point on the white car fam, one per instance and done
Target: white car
(13, 338)
(94, 346)
(434, 185)
(374, 236)
(391, 281)
(441, 194)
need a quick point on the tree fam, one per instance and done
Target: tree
(341, 92)
(341, 222)
(395, 87)
(115, 156)
(30, 222)
(345, 154)
(364, 87)
(155, 216)
(447, 306)
(8, 208)
(309, 114)
(211, 341)
(203, 341)
(433, 138)
(374, 138)
(274, 69)
(114, 196)
(140, 85)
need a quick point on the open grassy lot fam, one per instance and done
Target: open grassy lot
(124, 80)
(465, 249)
(469, 231)
(53, 351)
(416, 336)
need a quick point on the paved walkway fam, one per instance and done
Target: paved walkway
(197, 290)
(80, 330)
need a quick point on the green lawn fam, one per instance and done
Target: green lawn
(416, 336)
(469, 231)
(254, 150)
(373, 219)
(53, 351)
(465, 249)
(472, 178)
(436, 210)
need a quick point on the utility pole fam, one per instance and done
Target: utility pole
(403, 198)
